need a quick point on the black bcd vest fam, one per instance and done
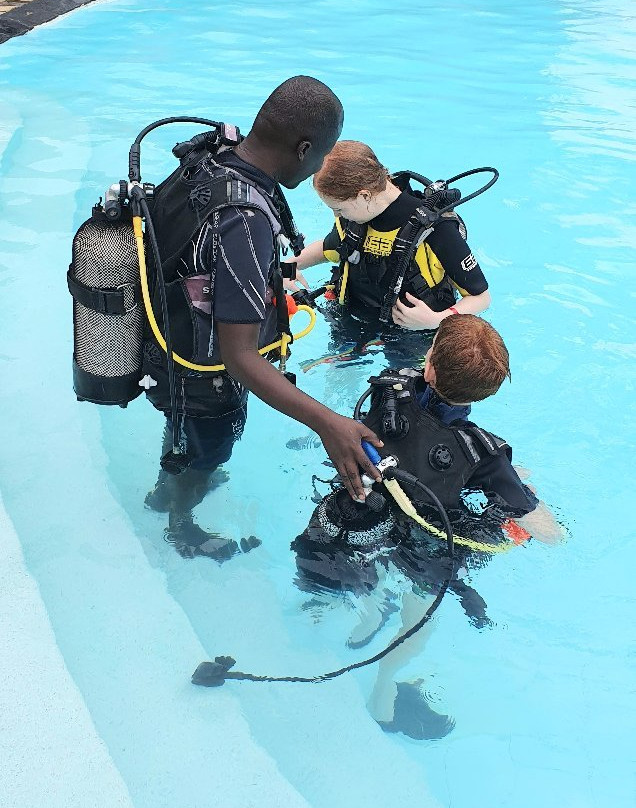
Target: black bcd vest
(441, 456)
(370, 277)
(180, 207)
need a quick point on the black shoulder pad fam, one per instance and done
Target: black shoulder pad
(490, 442)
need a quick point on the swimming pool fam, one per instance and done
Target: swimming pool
(104, 623)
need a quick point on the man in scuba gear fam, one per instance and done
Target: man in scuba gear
(373, 212)
(221, 278)
(372, 548)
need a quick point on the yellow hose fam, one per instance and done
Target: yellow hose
(343, 283)
(282, 343)
(405, 504)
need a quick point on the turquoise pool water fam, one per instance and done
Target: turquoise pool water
(111, 622)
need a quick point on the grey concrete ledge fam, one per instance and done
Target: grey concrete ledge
(24, 18)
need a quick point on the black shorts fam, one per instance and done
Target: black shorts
(209, 441)
(212, 409)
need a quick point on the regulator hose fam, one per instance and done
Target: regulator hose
(176, 461)
(214, 674)
(134, 155)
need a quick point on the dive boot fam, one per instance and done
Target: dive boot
(183, 492)
(413, 715)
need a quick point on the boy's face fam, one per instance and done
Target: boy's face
(429, 370)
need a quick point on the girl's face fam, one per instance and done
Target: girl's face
(357, 209)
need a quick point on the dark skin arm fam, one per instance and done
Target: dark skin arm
(340, 436)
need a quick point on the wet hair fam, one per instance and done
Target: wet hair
(301, 108)
(349, 168)
(470, 359)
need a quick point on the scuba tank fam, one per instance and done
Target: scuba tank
(108, 278)
(104, 280)
(107, 318)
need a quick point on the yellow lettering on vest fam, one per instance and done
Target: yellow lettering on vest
(377, 245)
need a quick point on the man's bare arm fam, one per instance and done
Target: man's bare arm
(341, 436)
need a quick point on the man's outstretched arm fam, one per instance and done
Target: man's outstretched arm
(341, 436)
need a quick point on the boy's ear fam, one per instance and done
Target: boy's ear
(429, 373)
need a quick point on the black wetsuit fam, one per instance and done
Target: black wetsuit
(445, 263)
(344, 543)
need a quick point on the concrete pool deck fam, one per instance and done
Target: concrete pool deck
(18, 17)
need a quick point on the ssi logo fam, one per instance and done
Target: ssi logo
(377, 245)
(470, 262)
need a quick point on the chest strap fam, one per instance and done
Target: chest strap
(350, 248)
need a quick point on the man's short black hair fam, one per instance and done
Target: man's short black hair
(301, 108)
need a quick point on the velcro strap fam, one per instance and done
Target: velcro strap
(469, 446)
(425, 216)
(491, 443)
(113, 301)
(474, 437)
(417, 283)
(486, 440)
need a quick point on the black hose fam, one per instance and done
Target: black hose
(138, 193)
(411, 479)
(479, 191)
(357, 409)
(173, 464)
(134, 155)
(214, 674)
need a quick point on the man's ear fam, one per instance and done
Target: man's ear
(302, 149)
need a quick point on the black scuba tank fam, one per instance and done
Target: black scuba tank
(108, 316)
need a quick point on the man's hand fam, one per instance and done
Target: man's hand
(342, 438)
(417, 317)
(292, 286)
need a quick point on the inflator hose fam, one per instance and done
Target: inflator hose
(139, 195)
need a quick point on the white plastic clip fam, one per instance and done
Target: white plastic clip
(147, 382)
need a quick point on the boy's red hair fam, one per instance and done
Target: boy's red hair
(469, 358)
